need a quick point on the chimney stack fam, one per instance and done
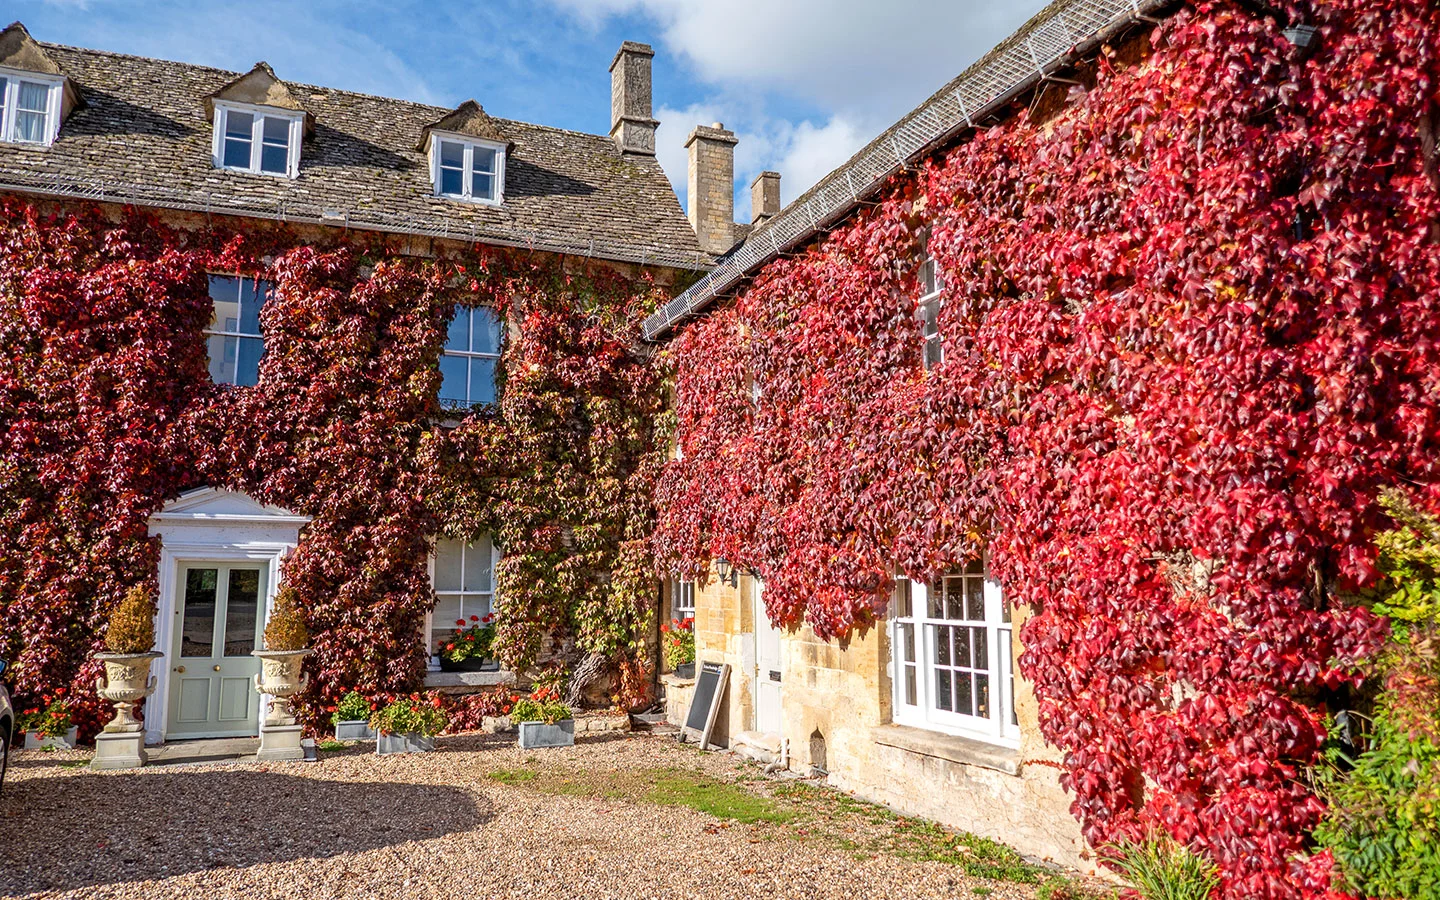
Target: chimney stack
(764, 197)
(711, 186)
(631, 126)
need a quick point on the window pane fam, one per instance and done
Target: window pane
(962, 646)
(453, 381)
(484, 161)
(979, 640)
(482, 380)
(276, 131)
(943, 698)
(197, 629)
(458, 337)
(934, 353)
(964, 697)
(237, 153)
(247, 366)
(30, 127)
(482, 186)
(241, 605)
(239, 125)
(937, 600)
(982, 695)
(902, 598)
(485, 330)
(477, 566)
(447, 610)
(452, 155)
(910, 698)
(450, 181)
(3, 85)
(942, 645)
(447, 565)
(907, 642)
(33, 97)
(252, 294)
(222, 352)
(275, 160)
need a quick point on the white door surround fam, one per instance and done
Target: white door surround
(210, 525)
(769, 668)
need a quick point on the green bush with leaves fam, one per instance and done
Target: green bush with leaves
(351, 708)
(132, 623)
(1383, 824)
(1158, 868)
(542, 706)
(411, 715)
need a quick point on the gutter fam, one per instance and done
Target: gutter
(1055, 38)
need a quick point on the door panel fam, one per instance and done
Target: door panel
(220, 611)
(768, 668)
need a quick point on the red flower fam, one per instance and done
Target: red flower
(664, 629)
(470, 638)
(449, 646)
(488, 617)
(474, 618)
(435, 701)
(460, 622)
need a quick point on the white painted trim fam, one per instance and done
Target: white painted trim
(296, 121)
(196, 537)
(10, 99)
(470, 143)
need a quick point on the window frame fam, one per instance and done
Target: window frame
(10, 105)
(1001, 728)
(294, 136)
(682, 587)
(262, 289)
(927, 314)
(468, 356)
(430, 628)
(467, 172)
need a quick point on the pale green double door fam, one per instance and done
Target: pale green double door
(220, 609)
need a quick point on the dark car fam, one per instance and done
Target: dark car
(7, 726)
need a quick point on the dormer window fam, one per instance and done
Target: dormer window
(29, 107)
(467, 150)
(253, 139)
(467, 169)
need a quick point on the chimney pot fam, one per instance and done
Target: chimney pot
(764, 197)
(711, 186)
(631, 125)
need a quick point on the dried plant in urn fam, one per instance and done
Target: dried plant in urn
(286, 629)
(129, 639)
(280, 662)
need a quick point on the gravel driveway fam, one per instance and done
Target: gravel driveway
(476, 818)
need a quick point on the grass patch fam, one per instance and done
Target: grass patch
(1058, 887)
(329, 745)
(979, 857)
(716, 798)
(514, 776)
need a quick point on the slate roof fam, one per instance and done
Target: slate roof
(143, 136)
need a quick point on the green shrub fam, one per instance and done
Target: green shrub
(285, 629)
(351, 708)
(411, 715)
(541, 706)
(1383, 822)
(1160, 869)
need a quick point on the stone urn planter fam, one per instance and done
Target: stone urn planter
(281, 678)
(127, 681)
(410, 742)
(66, 741)
(539, 735)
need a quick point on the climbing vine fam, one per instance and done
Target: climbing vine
(1189, 325)
(107, 411)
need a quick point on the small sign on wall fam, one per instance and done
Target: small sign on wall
(710, 684)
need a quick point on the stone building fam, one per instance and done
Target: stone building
(925, 713)
(251, 152)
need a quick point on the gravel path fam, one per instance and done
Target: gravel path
(436, 825)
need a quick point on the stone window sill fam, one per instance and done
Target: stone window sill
(467, 679)
(672, 680)
(966, 751)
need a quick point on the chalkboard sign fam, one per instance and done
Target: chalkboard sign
(710, 684)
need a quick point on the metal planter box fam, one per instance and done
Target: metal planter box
(64, 741)
(411, 742)
(354, 730)
(538, 735)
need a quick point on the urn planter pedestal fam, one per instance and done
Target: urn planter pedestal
(281, 678)
(127, 681)
(539, 735)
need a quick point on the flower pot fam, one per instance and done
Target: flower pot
(685, 670)
(66, 741)
(538, 735)
(469, 664)
(354, 730)
(281, 678)
(410, 742)
(127, 681)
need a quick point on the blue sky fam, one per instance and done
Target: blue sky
(804, 83)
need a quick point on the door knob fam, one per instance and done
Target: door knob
(180, 669)
(217, 668)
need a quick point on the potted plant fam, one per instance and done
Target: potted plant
(468, 650)
(678, 641)
(543, 721)
(408, 724)
(352, 718)
(129, 639)
(280, 676)
(49, 727)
